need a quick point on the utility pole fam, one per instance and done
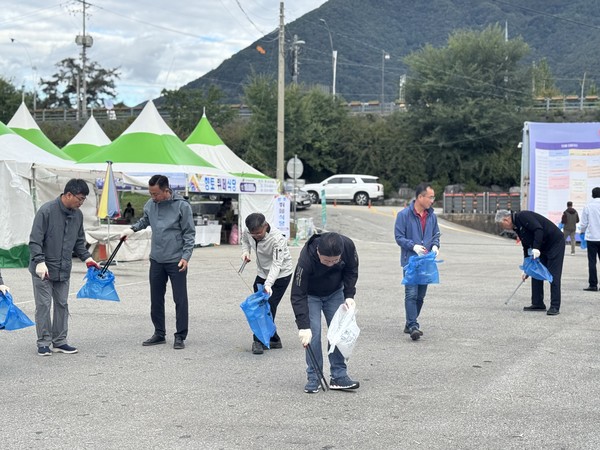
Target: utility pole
(281, 100)
(333, 57)
(295, 47)
(384, 56)
(85, 41)
(582, 91)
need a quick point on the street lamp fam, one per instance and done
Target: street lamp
(384, 56)
(333, 56)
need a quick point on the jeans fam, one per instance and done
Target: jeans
(159, 274)
(570, 234)
(414, 294)
(279, 288)
(329, 305)
(593, 247)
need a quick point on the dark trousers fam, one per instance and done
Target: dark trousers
(553, 260)
(159, 275)
(593, 247)
(279, 288)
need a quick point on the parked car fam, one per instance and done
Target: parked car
(351, 188)
(300, 196)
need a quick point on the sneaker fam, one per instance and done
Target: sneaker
(343, 383)
(415, 335)
(312, 387)
(552, 311)
(257, 348)
(275, 344)
(154, 340)
(65, 348)
(44, 351)
(407, 331)
(178, 344)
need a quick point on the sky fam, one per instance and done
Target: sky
(155, 44)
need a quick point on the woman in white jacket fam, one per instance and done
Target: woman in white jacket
(273, 265)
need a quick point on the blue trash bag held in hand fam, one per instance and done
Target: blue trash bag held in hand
(258, 313)
(11, 317)
(583, 243)
(535, 269)
(422, 270)
(99, 287)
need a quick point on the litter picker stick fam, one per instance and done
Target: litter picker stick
(239, 272)
(242, 267)
(514, 292)
(313, 360)
(112, 256)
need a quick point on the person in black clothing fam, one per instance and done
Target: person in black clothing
(325, 278)
(546, 241)
(129, 213)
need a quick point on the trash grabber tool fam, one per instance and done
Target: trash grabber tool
(514, 292)
(243, 266)
(112, 256)
(313, 360)
(239, 272)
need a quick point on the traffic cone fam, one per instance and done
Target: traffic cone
(369, 203)
(334, 203)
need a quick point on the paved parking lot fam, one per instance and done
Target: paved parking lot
(484, 375)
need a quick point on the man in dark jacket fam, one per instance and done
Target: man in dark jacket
(56, 233)
(570, 219)
(325, 278)
(544, 240)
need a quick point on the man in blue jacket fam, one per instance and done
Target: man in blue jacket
(417, 233)
(173, 235)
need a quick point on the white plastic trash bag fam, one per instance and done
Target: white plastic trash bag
(343, 331)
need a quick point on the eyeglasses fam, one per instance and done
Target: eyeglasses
(430, 197)
(81, 199)
(328, 260)
(260, 231)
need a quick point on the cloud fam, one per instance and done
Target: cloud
(157, 45)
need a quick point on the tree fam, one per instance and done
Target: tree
(10, 99)
(61, 89)
(543, 81)
(186, 107)
(465, 104)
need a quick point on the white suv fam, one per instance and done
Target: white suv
(357, 188)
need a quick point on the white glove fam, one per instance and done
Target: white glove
(350, 303)
(125, 234)
(305, 336)
(268, 290)
(246, 256)
(435, 250)
(41, 270)
(4, 288)
(419, 250)
(535, 253)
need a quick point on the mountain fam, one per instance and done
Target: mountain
(566, 33)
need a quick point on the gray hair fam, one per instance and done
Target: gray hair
(501, 214)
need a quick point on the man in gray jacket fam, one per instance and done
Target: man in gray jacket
(173, 235)
(273, 263)
(57, 232)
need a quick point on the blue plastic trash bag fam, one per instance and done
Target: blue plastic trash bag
(11, 317)
(258, 313)
(99, 286)
(422, 270)
(583, 241)
(535, 269)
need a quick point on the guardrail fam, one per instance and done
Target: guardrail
(481, 202)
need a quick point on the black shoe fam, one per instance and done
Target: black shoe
(257, 348)
(414, 334)
(154, 340)
(553, 311)
(178, 344)
(275, 344)
(591, 288)
(535, 308)
(407, 331)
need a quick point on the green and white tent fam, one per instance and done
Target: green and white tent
(27, 178)
(25, 126)
(89, 140)
(147, 147)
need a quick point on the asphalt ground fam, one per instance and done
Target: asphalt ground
(484, 375)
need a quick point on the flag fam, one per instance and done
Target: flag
(109, 200)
